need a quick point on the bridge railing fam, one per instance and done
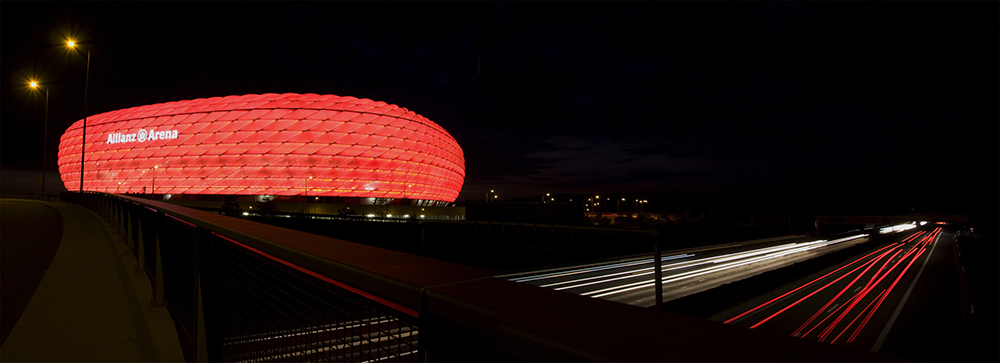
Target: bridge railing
(245, 291)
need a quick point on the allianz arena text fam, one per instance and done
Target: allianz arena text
(269, 144)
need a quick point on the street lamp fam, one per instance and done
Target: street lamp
(86, 86)
(488, 199)
(307, 194)
(154, 180)
(45, 134)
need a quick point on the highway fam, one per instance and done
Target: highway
(858, 301)
(631, 281)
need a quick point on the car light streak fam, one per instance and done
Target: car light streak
(820, 311)
(598, 268)
(634, 273)
(850, 310)
(862, 294)
(859, 296)
(913, 259)
(616, 278)
(897, 228)
(776, 251)
(881, 295)
(808, 296)
(801, 287)
(690, 274)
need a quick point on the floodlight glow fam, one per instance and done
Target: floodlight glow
(267, 144)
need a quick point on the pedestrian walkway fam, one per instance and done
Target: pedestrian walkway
(90, 305)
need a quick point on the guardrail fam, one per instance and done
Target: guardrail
(245, 291)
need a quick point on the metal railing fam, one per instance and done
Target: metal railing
(248, 292)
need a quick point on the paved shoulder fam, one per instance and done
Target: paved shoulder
(29, 236)
(80, 310)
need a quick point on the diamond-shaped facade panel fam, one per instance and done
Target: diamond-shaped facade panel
(266, 144)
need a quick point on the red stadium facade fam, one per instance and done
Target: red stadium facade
(270, 144)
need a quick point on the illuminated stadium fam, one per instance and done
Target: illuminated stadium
(341, 149)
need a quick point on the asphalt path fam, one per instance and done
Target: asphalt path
(30, 238)
(630, 281)
(902, 297)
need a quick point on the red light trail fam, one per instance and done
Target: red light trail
(846, 312)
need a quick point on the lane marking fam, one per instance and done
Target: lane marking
(835, 306)
(899, 308)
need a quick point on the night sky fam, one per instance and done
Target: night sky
(861, 103)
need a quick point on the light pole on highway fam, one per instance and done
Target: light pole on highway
(307, 194)
(86, 86)
(45, 134)
(154, 180)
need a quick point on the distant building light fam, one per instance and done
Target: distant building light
(421, 216)
(370, 216)
(246, 213)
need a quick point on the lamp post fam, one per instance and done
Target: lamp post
(307, 194)
(154, 180)
(86, 86)
(488, 199)
(404, 198)
(45, 134)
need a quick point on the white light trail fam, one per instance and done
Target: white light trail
(597, 268)
(678, 265)
(897, 228)
(685, 275)
(644, 269)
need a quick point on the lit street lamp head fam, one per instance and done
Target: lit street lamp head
(34, 84)
(71, 43)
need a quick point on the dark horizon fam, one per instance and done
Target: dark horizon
(870, 104)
